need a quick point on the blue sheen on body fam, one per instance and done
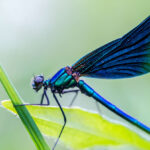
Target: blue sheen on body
(57, 75)
(86, 89)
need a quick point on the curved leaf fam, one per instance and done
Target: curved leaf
(84, 129)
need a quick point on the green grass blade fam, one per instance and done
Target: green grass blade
(23, 113)
(84, 129)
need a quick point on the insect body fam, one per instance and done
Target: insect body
(126, 57)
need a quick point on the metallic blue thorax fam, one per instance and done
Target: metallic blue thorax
(57, 75)
(61, 80)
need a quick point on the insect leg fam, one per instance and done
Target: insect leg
(98, 107)
(74, 98)
(65, 120)
(71, 91)
(45, 94)
(41, 103)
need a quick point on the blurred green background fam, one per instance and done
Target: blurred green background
(43, 36)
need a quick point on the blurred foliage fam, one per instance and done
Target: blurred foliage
(43, 36)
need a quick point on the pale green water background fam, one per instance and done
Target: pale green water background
(42, 36)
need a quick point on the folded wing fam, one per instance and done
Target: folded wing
(125, 57)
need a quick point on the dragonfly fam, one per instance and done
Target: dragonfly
(125, 57)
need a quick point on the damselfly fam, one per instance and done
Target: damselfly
(126, 57)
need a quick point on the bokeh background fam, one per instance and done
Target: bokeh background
(42, 36)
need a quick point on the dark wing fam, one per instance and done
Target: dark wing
(125, 57)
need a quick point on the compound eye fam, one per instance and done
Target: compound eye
(37, 82)
(39, 79)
